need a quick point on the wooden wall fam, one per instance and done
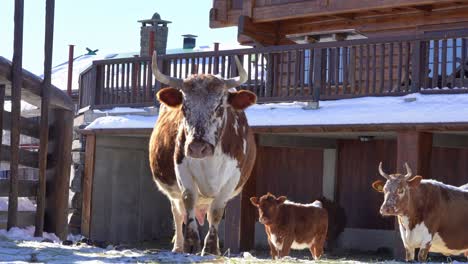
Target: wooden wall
(294, 172)
(357, 169)
(449, 165)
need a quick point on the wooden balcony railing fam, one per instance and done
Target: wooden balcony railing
(320, 71)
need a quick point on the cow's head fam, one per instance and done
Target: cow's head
(396, 190)
(267, 207)
(204, 100)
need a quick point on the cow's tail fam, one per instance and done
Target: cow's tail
(336, 221)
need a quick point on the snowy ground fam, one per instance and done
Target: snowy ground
(19, 246)
(412, 108)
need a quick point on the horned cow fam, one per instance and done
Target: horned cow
(201, 151)
(432, 216)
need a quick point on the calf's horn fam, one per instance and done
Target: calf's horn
(385, 175)
(171, 81)
(409, 172)
(236, 81)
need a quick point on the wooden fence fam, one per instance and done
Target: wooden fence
(331, 70)
(53, 129)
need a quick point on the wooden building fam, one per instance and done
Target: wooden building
(316, 51)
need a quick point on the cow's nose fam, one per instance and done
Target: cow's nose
(387, 210)
(199, 149)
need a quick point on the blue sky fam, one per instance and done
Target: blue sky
(107, 25)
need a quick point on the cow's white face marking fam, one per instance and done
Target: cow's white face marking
(203, 107)
(274, 240)
(418, 237)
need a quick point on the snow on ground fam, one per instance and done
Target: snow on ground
(20, 246)
(425, 108)
(24, 204)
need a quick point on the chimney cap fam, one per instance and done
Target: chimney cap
(154, 20)
(189, 36)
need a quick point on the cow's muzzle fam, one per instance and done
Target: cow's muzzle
(199, 149)
(388, 210)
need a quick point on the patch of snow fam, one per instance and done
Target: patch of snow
(427, 108)
(24, 106)
(125, 121)
(24, 204)
(118, 110)
(26, 233)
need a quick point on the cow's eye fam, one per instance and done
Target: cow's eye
(401, 191)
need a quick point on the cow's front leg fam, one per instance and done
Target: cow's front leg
(423, 251)
(409, 253)
(192, 237)
(178, 215)
(215, 214)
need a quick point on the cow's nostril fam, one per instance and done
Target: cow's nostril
(199, 149)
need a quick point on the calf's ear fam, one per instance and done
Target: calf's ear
(378, 185)
(170, 97)
(414, 182)
(254, 201)
(242, 99)
(281, 199)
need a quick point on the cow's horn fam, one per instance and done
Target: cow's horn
(409, 172)
(171, 81)
(385, 175)
(236, 81)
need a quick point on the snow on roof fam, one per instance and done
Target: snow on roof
(436, 108)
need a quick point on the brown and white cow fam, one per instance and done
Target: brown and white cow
(432, 216)
(292, 225)
(201, 151)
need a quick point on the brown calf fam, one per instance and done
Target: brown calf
(292, 225)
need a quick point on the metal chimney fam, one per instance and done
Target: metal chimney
(189, 41)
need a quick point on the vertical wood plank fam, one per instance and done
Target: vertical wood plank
(302, 70)
(435, 65)
(127, 83)
(463, 64)
(352, 72)
(382, 68)
(288, 73)
(374, 68)
(16, 84)
(44, 124)
(56, 215)
(416, 64)
(297, 73)
(444, 63)
(426, 81)
(400, 65)
(319, 71)
(249, 72)
(328, 86)
(390, 68)
(311, 70)
(248, 216)
(257, 91)
(454, 62)
(361, 65)
(407, 65)
(345, 66)
(367, 68)
(88, 184)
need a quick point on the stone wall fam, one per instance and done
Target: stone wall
(160, 39)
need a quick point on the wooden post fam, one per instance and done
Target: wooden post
(87, 186)
(16, 84)
(56, 214)
(319, 71)
(417, 60)
(415, 148)
(216, 59)
(44, 126)
(70, 62)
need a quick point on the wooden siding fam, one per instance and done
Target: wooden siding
(357, 169)
(449, 165)
(294, 172)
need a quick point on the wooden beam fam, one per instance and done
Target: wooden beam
(450, 140)
(87, 186)
(44, 126)
(414, 148)
(330, 7)
(291, 141)
(263, 33)
(424, 8)
(28, 126)
(26, 188)
(26, 158)
(56, 214)
(383, 23)
(16, 79)
(31, 88)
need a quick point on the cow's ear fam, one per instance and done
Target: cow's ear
(254, 201)
(170, 97)
(378, 185)
(281, 199)
(414, 182)
(242, 99)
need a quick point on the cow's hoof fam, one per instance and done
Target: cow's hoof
(191, 242)
(177, 249)
(211, 249)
